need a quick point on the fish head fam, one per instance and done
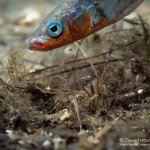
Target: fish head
(62, 26)
(52, 33)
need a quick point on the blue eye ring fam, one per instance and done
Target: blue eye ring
(54, 29)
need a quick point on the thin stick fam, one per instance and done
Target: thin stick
(76, 109)
(85, 55)
(79, 68)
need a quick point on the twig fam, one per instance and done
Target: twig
(79, 68)
(78, 116)
(85, 55)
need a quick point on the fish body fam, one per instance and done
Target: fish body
(76, 19)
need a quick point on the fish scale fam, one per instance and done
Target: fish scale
(78, 19)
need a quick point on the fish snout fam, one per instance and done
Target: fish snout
(35, 44)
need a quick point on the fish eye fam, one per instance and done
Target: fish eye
(54, 29)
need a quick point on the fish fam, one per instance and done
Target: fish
(76, 19)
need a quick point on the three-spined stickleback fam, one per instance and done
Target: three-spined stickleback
(76, 19)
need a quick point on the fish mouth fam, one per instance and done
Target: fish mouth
(35, 45)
